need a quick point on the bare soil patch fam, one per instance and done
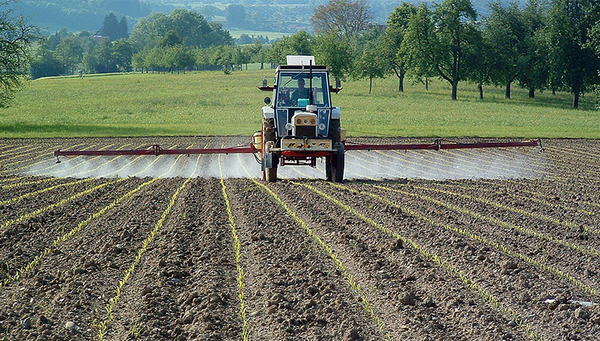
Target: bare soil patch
(474, 245)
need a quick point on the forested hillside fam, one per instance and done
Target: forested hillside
(78, 15)
(267, 15)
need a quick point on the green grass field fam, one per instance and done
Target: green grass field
(236, 33)
(212, 103)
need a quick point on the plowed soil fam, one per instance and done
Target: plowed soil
(499, 244)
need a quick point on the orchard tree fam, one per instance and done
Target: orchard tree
(300, 43)
(122, 53)
(594, 42)
(567, 34)
(178, 57)
(16, 38)
(505, 33)
(258, 53)
(392, 40)
(534, 74)
(343, 18)
(371, 64)
(481, 65)
(44, 64)
(443, 40)
(105, 58)
(335, 53)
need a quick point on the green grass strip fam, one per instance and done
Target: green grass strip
(238, 257)
(434, 258)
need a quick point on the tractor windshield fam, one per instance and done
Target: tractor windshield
(293, 90)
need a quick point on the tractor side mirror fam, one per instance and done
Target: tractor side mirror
(264, 83)
(338, 82)
(267, 100)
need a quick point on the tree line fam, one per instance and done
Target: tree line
(545, 45)
(549, 45)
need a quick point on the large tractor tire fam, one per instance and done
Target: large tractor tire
(334, 166)
(269, 160)
(334, 131)
(271, 174)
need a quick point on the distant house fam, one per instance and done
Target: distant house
(100, 38)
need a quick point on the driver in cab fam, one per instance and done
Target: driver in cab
(301, 92)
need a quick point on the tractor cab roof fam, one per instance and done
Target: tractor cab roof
(301, 63)
(302, 68)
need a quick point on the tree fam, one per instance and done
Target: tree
(594, 42)
(342, 18)
(505, 33)
(534, 74)
(105, 58)
(170, 39)
(371, 64)
(16, 38)
(300, 43)
(571, 59)
(69, 53)
(123, 28)
(335, 53)
(112, 28)
(122, 53)
(178, 57)
(44, 63)
(481, 65)
(190, 27)
(148, 30)
(258, 53)
(442, 40)
(392, 40)
(218, 36)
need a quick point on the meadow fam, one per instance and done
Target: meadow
(212, 103)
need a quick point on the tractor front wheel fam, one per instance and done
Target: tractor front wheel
(270, 160)
(271, 174)
(334, 165)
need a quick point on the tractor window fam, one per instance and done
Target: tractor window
(293, 90)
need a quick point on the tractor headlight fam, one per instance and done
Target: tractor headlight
(289, 126)
(322, 126)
